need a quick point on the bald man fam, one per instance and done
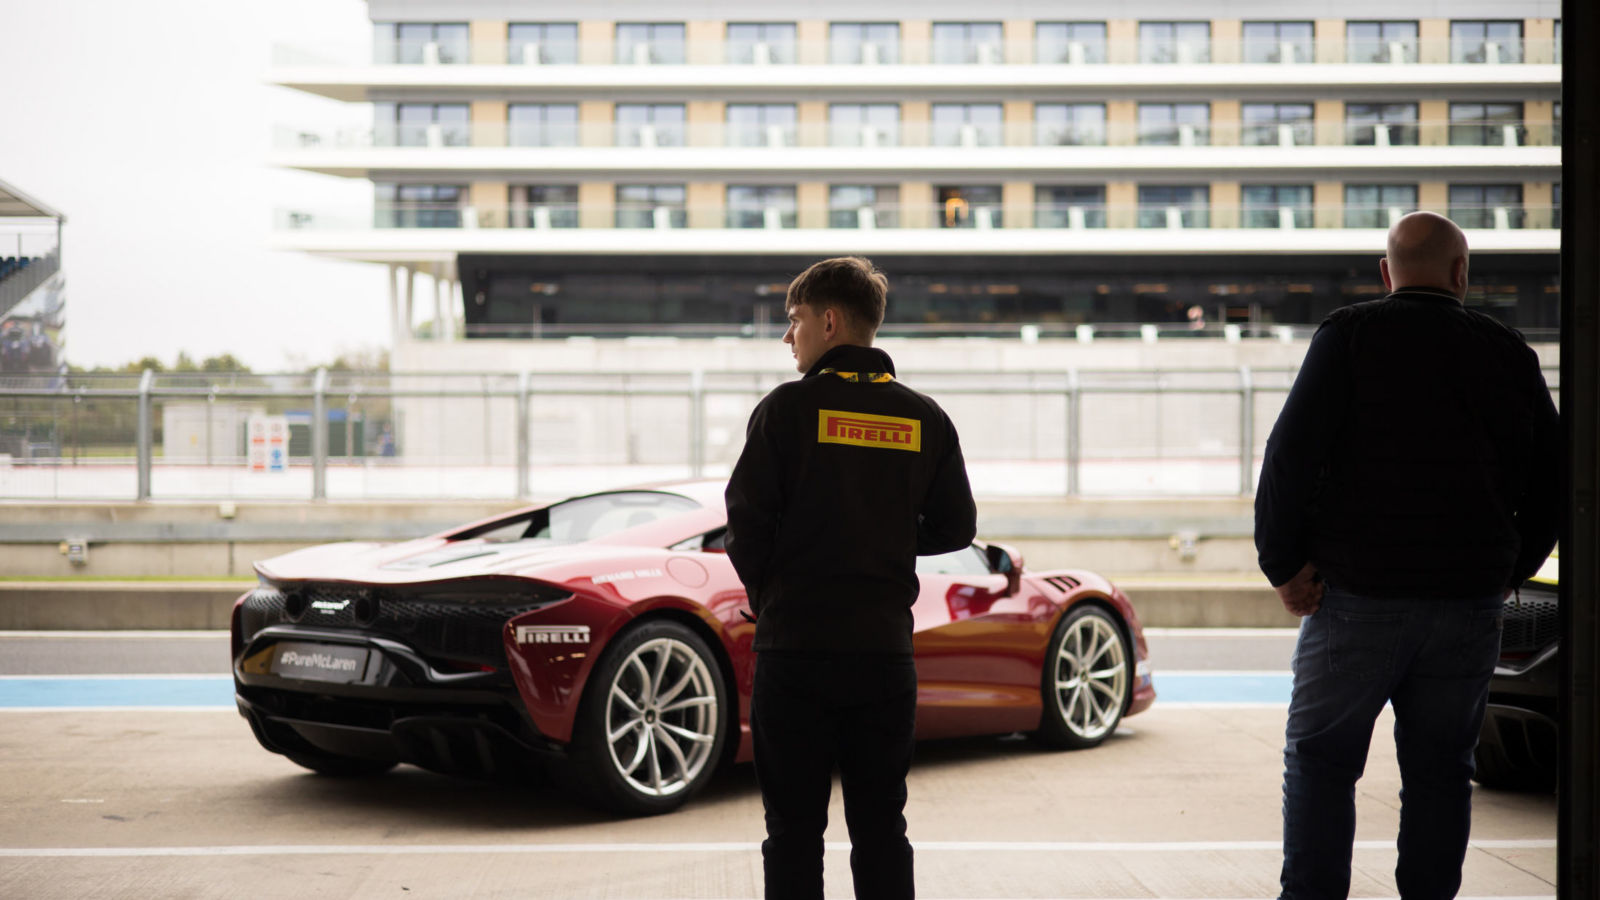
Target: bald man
(1409, 486)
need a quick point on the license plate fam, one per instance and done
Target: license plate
(320, 662)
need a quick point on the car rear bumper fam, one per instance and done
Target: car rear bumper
(401, 709)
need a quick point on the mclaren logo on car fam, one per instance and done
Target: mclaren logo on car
(552, 634)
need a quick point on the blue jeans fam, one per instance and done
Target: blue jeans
(1432, 660)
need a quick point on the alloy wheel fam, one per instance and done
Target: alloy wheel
(661, 717)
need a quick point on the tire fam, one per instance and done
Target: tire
(335, 766)
(1087, 679)
(653, 722)
(1496, 771)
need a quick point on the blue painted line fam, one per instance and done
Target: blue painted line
(1234, 687)
(183, 692)
(191, 691)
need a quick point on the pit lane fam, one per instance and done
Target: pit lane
(173, 800)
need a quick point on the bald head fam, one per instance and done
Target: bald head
(1426, 250)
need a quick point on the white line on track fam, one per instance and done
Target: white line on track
(1223, 673)
(118, 709)
(1222, 632)
(704, 847)
(165, 676)
(115, 635)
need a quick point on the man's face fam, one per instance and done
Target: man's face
(810, 330)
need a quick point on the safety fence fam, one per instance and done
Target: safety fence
(332, 435)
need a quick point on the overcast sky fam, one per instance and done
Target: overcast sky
(148, 125)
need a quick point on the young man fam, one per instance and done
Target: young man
(847, 476)
(1411, 483)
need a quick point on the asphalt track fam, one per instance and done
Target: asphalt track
(173, 798)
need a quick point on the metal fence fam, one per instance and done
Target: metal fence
(376, 436)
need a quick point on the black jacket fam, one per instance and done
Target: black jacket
(1418, 454)
(841, 485)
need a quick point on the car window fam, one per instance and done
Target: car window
(968, 560)
(587, 518)
(713, 541)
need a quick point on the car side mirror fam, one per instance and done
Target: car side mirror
(1005, 561)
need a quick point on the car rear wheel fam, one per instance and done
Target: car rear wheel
(653, 721)
(1086, 680)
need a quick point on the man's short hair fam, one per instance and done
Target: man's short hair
(850, 284)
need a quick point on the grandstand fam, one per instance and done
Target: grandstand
(1027, 171)
(32, 287)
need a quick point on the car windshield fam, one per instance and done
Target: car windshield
(587, 518)
(968, 560)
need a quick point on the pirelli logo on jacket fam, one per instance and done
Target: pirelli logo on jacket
(866, 430)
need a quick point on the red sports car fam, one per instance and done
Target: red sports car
(603, 636)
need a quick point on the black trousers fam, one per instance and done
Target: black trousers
(809, 713)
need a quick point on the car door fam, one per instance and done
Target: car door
(978, 643)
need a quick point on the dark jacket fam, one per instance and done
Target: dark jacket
(1418, 455)
(841, 485)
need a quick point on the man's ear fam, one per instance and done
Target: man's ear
(1383, 270)
(830, 323)
(1458, 274)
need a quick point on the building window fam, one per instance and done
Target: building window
(761, 43)
(1076, 43)
(969, 206)
(418, 205)
(1174, 206)
(1278, 42)
(1555, 124)
(418, 43)
(859, 43)
(1276, 124)
(1276, 206)
(536, 43)
(1175, 124)
(967, 125)
(652, 206)
(650, 43)
(1377, 205)
(1174, 42)
(1486, 205)
(421, 124)
(542, 125)
(1482, 41)
(1380, 124)
(544, 206)
(963, 43)
(650, 124)
(1486, 124)
(1069, 124)
(1075, 206)
(1556, 48)
(761, 124)
(761, 206)
(864, 124)
(1555, 205)
(863, 206)
(1380, 42)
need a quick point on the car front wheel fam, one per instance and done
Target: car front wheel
(1086, 680)
(653, 721)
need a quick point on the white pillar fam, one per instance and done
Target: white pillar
(438, 301)
(394, 306)
(411, 296)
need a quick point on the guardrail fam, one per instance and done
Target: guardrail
(1154, 432)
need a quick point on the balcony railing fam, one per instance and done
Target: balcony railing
(913, 133)
(954, 213)
(1024, 50)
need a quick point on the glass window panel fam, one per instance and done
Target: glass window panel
(1478, 41)
(853, 43)
(1173, 124)
(1161, 206)
(863, 206)
(1070, 124)
(1078, 206)
(969, 206)
(1378, 42)
(763, 42)
(542, 42)
(864, 124)
(1274, 42)
(1070, 42)
(1377, 205)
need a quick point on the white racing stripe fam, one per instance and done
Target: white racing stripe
(705, 847)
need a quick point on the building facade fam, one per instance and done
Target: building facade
(1021, 169)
